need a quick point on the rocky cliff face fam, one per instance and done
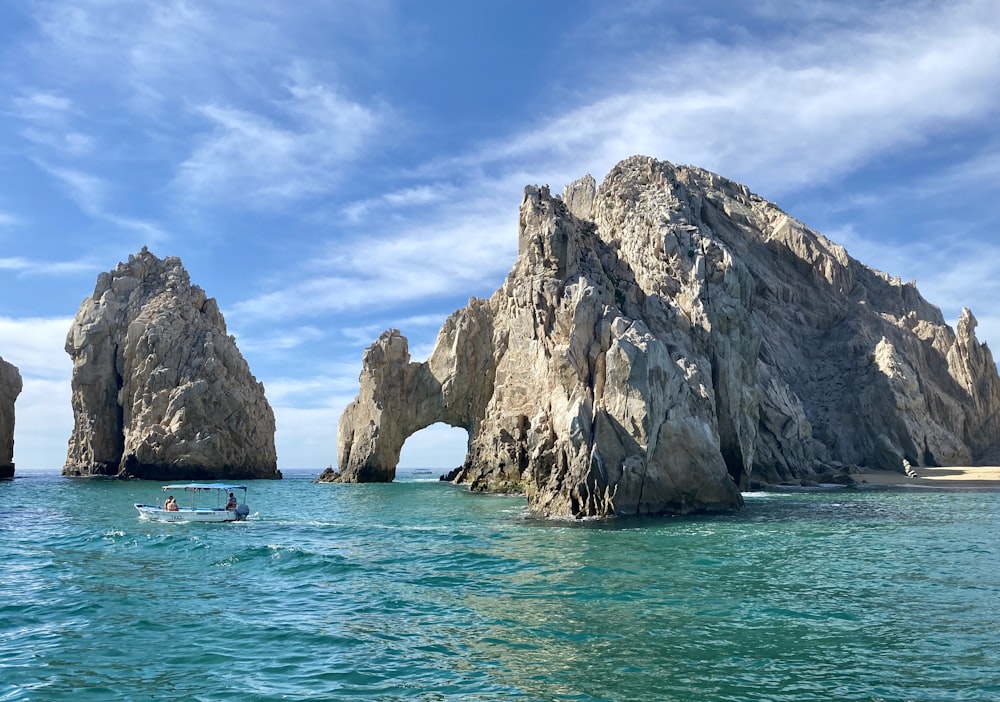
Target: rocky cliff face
(160, 390)
(10, 388)
(666, 336)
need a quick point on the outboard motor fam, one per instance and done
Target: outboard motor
(242, 511)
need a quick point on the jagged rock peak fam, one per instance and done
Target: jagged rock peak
(10, 388)
(667, 335)
(159, 388)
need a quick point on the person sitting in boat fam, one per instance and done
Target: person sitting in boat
(171, 504)
(231, 503)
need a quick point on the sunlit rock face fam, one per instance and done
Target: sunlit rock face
(160, 390)
(10, 388)
(666, 336)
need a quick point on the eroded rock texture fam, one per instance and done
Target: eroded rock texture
(160, 390)
(10, 388)
(667, 335)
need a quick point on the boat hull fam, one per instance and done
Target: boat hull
(187, 514)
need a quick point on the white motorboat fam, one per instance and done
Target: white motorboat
(230, 504)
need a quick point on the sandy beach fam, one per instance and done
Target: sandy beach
(957, 476)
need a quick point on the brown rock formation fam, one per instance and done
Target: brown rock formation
(10, 388)
(160, 390)
(663, 336)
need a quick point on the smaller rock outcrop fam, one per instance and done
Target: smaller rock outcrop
(160, 390)
(10, 388)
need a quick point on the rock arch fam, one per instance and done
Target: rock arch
(662, 336)
(398, 397)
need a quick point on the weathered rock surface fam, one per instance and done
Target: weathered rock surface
(160, 390)
(663, 337)
(10, 388)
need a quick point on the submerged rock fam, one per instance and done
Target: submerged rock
(662, 338)
(10, 388)
(160, 390)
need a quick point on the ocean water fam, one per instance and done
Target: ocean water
(422, 591)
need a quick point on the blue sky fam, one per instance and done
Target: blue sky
(327, 170)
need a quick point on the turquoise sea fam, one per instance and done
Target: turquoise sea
(419, 590)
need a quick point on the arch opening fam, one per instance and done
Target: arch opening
(439, 448)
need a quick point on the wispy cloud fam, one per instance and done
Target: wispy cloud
(982, 169)
(279, 340)
(14, 264)
(458, 253)
(37, 267)
(48, 121)
(234, 123)
(92, 194)
(316, 390)
(413, 197)
(267, 161)
(762, 113)
(148, 114)
(88, 191)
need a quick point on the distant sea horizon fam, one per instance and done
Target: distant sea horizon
(294, 470)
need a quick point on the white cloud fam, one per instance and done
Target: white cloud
(759, 114)
(68, 143)
(306, 438)
(364, 335)
(88, 191)
(420, 331)
(763, 113)
(43, 423)
(413, 197)
(40, 105)
(240, 112)
(981, 170)
(50, 268)
(263, 161)
(48, 120)
(35, 346)
(468, 247)
(281, 339)
(316, 389)
(14, 264)
(43, 409)
(91, 194)
(228, 94)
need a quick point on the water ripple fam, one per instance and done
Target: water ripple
(422, 591)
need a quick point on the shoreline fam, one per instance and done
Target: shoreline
(944, 476)
(951, 477)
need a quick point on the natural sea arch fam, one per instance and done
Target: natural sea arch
(437, 446)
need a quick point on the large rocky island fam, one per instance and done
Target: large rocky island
(10, 388)
(160, 390)
(666, 336)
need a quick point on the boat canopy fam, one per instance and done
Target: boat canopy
(205, 486)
